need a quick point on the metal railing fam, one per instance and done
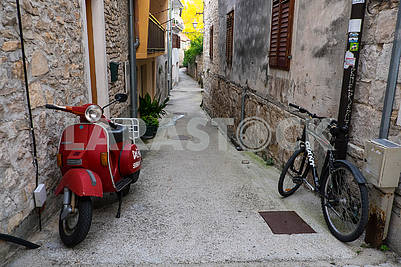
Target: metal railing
(156, 41)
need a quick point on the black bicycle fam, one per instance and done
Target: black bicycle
(341, 186)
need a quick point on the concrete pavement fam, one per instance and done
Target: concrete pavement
(200, 208)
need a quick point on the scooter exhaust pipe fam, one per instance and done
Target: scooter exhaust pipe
(67, 204)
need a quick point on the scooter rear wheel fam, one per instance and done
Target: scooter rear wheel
(74, 228)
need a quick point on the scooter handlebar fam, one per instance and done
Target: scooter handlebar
(51, 106)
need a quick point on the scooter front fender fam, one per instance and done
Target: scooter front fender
(82, 182)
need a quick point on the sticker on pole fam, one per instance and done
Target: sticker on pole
(355, 25)
(349, 60)
(354, 2)
(354, 47)
(353, 40)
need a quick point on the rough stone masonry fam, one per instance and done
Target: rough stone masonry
(53, 43)
(53, 32)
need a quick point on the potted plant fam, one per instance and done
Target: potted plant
(150, 112)
(152, 124)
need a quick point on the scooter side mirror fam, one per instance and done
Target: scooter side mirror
(121, 97)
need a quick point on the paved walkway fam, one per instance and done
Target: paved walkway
(201, 208)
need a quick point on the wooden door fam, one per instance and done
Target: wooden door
(91, 49)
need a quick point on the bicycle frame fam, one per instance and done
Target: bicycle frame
(309, 159)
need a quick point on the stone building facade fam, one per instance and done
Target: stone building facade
(117, 50)
(314, 78)
(56, 48)
(195, 69)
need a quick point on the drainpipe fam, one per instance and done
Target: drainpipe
(171, 45)
(170, 48)
(243, 100)
(392, 79)
(132, 60)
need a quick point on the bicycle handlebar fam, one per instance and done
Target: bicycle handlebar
(304, 110)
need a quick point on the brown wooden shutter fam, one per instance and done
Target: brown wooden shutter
(229, 38)
(176, 41)
(281, 34)
(211, 44)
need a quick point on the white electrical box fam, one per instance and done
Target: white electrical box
(382, 166)
(40, 195)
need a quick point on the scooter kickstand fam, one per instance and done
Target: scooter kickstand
(120, 200)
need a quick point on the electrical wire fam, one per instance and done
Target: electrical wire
(32, 130)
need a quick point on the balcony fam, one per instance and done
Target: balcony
(156, 40)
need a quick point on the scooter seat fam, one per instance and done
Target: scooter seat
(118, 133)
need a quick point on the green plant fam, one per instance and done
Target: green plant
(154, 108)
(195, 49)
(270, 162)
(384, 248)
(150, 120)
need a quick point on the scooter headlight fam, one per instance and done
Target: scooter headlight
(93, 113)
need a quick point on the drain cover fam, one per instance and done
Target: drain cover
(180, 137)
(286, 223)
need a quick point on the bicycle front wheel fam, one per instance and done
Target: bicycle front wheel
(345, 202)
(291, 176)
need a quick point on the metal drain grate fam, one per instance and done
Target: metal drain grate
(286, 223)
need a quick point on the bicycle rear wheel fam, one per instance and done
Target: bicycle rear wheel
(345, 202)
(291, 176)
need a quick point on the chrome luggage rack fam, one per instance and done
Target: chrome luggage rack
(131, 123)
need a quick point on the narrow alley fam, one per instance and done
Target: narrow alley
(200, 207)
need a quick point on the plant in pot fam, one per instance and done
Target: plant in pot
(152, 124)
(150, 112)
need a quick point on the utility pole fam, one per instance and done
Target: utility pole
(350, 72)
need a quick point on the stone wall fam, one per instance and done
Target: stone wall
(374, 67)
(54, 51)
(195, 70)
(116, 22)
(210, 65)
(315, 76)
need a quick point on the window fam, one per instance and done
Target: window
(211, 44)
(176, 41)
(229, 38)
(281, 34)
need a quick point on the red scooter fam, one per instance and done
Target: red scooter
(96, 156)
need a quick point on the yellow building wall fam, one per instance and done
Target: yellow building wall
(146, 73)
(157, 7)
(143, 23)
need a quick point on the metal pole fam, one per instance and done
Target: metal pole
(392, 80)
(132, 60)
(168, 49)
(349, 78)
(170, 59)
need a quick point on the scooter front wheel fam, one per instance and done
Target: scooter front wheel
(74, 228)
